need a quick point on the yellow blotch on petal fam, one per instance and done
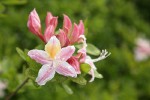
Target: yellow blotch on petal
(53, 47)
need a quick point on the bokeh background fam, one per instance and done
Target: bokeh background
(110, 24)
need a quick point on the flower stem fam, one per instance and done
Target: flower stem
(17, 89)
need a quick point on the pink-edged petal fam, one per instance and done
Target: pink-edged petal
(62, 38)
(73, 61)
(65, 53)
(53, 47)
(45, 74)
(34, 24)
(65, 69)
(34, 14)
(82, 51)
(54, 22)
(81, 28)
(39, 56)
(51, 20)
(75, 34)
(82, 39)
(67, 25)
(48, 18)
(90, 62)
(67, 31)
(49, 32)
(82, 54)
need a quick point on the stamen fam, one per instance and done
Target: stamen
(104, 54)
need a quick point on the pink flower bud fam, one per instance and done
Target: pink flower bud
(63, 38)
(34, 24)
(75, 34)
(73, 61)
(67, 25)
(81, 27)
(49, 32)
(50, 20)
(82, 54)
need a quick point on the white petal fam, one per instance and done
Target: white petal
(39, 56)
(45, 74)
(53, 47)
(65, 69)
(65, 53)
(92, 74)
(90, 62)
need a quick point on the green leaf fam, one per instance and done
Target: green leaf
(35, 83)
(14, 2)
(59, 78)
(33, 65)
(31, 73)
(97, 75)
(85, 67)
(67, 88)
(21, 53)
(93, 50)
(80, 80)
(79, 46)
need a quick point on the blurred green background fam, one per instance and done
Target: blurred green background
(112, 24)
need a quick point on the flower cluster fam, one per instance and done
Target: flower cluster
(59, 55)
(142, 51)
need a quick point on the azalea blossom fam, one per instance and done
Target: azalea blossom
(54, 59)
(142, 51)
(59, 55)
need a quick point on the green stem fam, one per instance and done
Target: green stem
(17, 89)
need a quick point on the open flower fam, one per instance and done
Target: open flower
(54, 59)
